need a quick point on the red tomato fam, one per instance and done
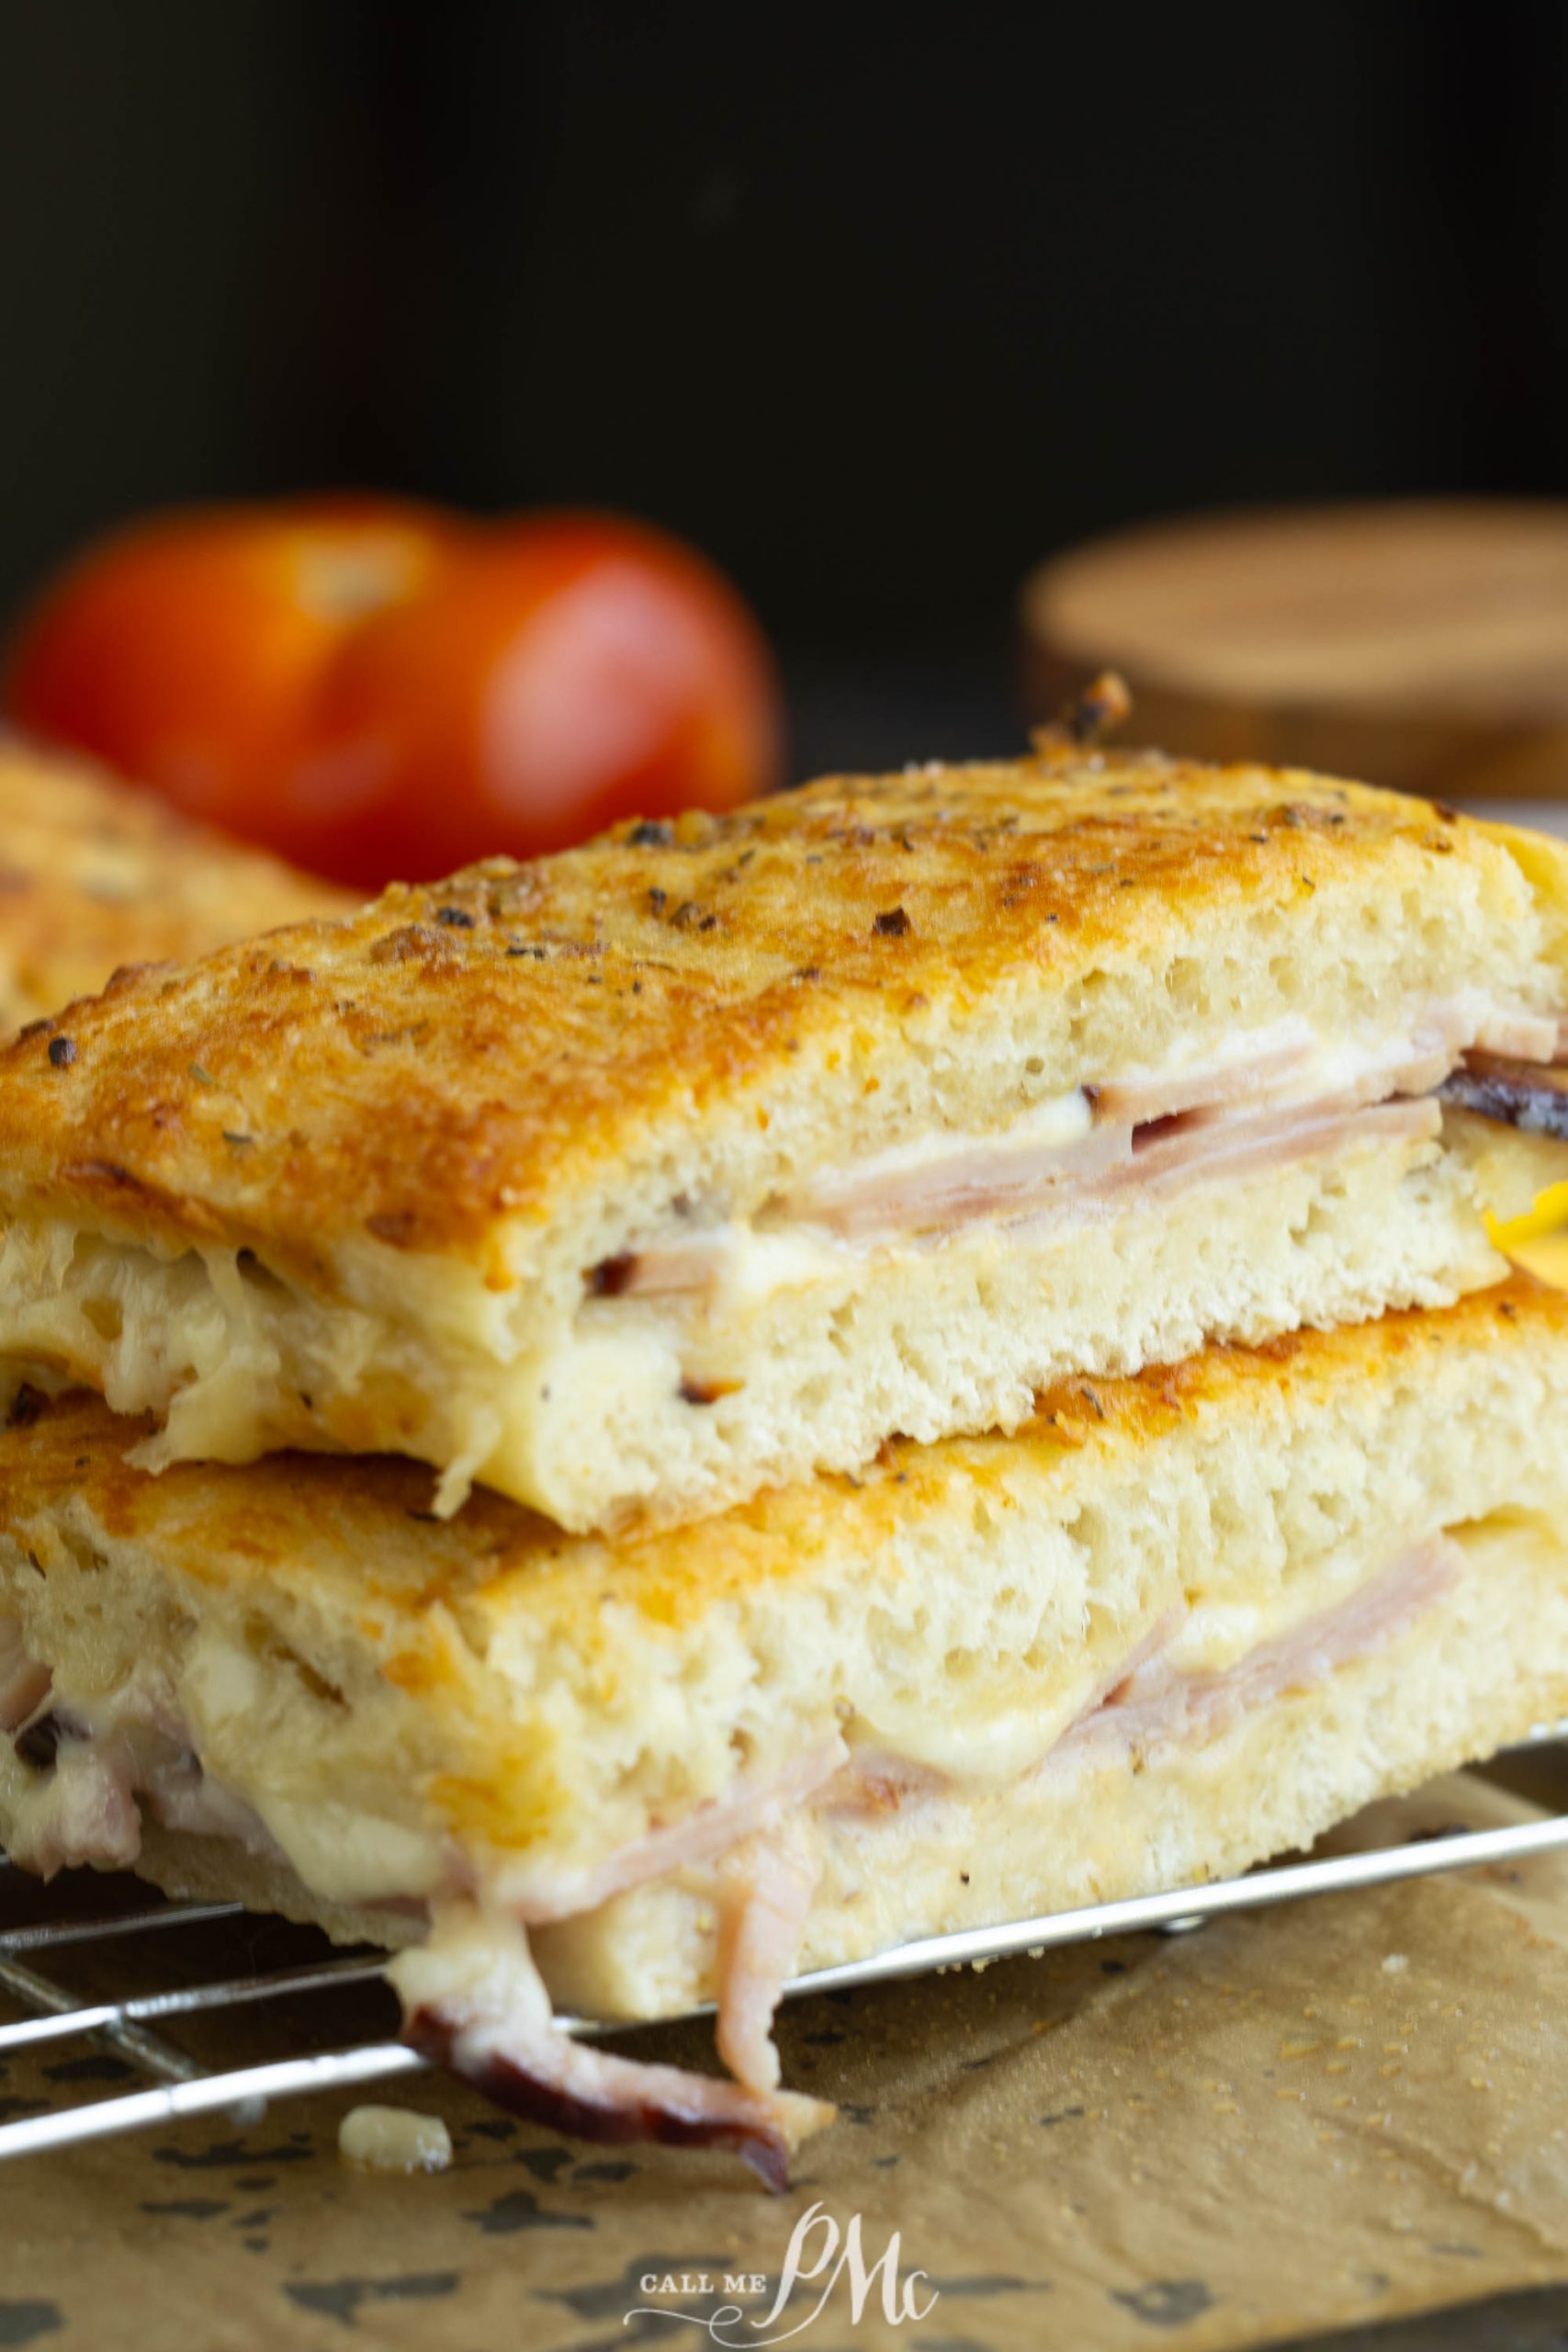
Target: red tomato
(378, 689)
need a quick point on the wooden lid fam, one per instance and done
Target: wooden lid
(1422, 644)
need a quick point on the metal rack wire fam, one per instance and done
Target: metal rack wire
(31, 1954)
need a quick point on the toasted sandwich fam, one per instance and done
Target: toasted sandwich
(95, 875)
(1170, 1624)
(715, 1153)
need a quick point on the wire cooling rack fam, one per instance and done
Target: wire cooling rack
(37, 1958)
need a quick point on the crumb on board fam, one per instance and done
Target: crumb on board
(393, 2138)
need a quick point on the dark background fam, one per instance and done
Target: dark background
(878, 305)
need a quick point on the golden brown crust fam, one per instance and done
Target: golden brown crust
(95, 876)
(473, 1051)
(355, 1535)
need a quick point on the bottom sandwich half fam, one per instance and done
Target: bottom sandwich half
(1174, 1624)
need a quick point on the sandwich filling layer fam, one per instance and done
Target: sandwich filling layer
(929, 1288)
(1270, 1097)
(91, 1764)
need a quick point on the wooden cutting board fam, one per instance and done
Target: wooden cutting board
(1423, 645)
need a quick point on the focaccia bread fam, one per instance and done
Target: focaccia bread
(95, 875)
(1173, 1624)
(717, 1152)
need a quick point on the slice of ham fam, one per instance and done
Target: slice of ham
(875, 1782)
(665, 1271)
(182, 1797)
(1168, 1162)
(986, 1179)
(767, 1886)
(96, 1765)
(536, 1895)
(1260, 1099)
(23, 1683)
(1161, 1094)
(1154, 1704)
(1111, 1164)
(1412, 1065)
(473, 2000)
(1455, 1025)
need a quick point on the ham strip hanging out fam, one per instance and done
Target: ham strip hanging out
(473, 2000)
(768, 1884)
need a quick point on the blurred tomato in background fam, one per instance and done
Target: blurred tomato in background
(378, 689)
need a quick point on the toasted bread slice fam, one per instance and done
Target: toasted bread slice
(715, 1152)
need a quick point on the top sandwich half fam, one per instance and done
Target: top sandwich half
(717, 1152)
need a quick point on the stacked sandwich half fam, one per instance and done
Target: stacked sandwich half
(922, 1352)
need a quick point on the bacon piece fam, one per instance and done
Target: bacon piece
(473, 2000)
